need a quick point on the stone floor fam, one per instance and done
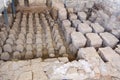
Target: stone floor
(50, 69)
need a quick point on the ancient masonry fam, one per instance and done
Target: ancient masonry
(66, 42)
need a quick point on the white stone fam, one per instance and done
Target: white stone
(78, 39)
(62, 50)
(109, 39)
(75, 23)
(72, 16)
(63, 59)
(62, 14)
(5, 56)
(82, 16)
(7, 48)
(29, 55)
(19, 41)
(84, 28)
(19, 48)
(66, 23)
(39, 52)
(95, 61)
(111, 57)
(16, 55)
(9, 41)
(94, 40)
(29, 41)
(29, 47)
(29, 35)
(116, 33)
(97, 28)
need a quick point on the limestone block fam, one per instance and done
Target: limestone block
(9, 41)
(82, 16)
(75, 23)
(5, 56)
(116, 33)
(39, 52)
(29, 47)
(78, 39)
(117, 50)
(72, 16)
(67, 34)
(29, 55)
(21, 36)
(62, 50)
(12, 37)
(38, 41)
(91, 55)
(19, 48)
(97, 28)
(89, 4)
(16, 55)
(63, 59)
(111, 57)
(29, 41)
(7, 48)
(84, 28)
(94, 40)
(109, 39)
(66, 23)
(70, 10)
(19, 41)
(62, 14)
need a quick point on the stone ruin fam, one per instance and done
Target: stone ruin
(62, 39)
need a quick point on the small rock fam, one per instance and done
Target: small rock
(7, 48)
(109, 39)
(84, 28)
(29, 47)
(29, 55)
(9, 41)
(19, 48)
(75, 23)
(72, 16)
(16, 55)
(82, 16)
(97, 28)
(5, 56)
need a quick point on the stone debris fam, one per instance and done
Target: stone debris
(110, 56)
(91, 55)
(109, 39)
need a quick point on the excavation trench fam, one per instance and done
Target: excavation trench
(32, 35)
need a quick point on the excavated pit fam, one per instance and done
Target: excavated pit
(71, 40)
